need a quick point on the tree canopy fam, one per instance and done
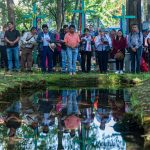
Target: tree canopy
(59, 12)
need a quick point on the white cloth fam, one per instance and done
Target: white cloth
(45, 39)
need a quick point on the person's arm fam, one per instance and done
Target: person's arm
(17, 39)
(129, 41)
(97, 41)
(39, 38)
(140, 43)
(109, 41)
(23, 39)
(66, 40)
(6, 39)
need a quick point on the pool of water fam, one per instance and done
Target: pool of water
(69, 119)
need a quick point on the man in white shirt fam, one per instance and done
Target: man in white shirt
(28, 42)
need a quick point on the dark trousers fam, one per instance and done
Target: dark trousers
(86, 59)
(119, 64)
(47, 53)
(102, 60)
(135, 60)
(57, 58)
(3, 57)
(26, 58)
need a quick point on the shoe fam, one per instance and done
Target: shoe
(70, 73)
(117, 72)
(73, 73)
(121, 72)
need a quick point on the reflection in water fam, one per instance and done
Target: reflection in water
(65, 119)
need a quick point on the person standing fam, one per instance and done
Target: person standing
(119, 44)
(44, 39)
(135, 42)
(28, 42)
(64, 47)
(3, 53)
(103, 44)
(86, 50)
(72, 41)
(12, 38)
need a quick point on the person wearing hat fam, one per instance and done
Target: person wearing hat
(103, 44)
(46, 41)
(28, 42)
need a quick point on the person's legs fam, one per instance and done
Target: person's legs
(138, 59)
(4, 61)
(117, 65)
(64, 59)
(16, 57)
(43, 59)
(89, 55)
(99, 56)
(74, 102)
(29, 60)
(74, 60)
(133, 61)
(69, 104)
(50, 59)
(105, 60)
(55, 55)
(69, 55)
(23, 59)
(9, 55)
(83, 57)
(121, 64)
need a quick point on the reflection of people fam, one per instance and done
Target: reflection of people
(72, 106)
(12, 120)
(118, 105)
(103, 117)
(45, 107)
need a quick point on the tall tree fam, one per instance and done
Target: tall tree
(10, 8)
(59, 14)
(74, 14)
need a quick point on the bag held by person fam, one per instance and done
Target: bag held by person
(119, 56)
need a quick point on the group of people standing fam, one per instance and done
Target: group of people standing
(68, 46)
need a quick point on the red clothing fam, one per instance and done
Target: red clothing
(119, 45)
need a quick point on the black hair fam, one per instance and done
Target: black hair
(45, 129)
(134, 24)
(65, 26)
(72, 26)
(23, 31)
(10, 22)
(44, 26)
(33, 28)
(86, 29)
(117, 37)
(113, 30)
(13, 123)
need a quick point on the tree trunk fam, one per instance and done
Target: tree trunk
(4, 12)
(74, 15)
(59, 14)
(11, 12)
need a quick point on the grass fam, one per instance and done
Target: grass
(64, 80)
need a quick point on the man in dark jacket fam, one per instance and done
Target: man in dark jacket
(44, 39)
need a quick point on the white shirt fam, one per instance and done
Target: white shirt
(148, 37)
(46, 37)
